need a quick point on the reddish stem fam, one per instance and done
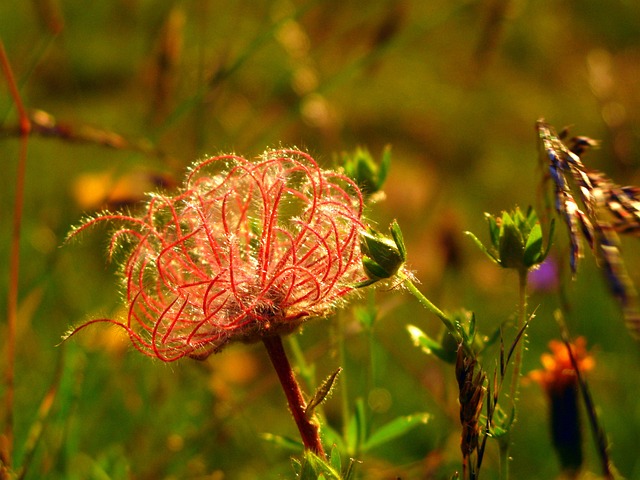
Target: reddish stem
(308, 430)
(14, 260)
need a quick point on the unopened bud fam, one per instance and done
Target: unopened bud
(516, 240)
(369, 175)
(382, 257)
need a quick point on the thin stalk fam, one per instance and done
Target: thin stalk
(597, 430)
(505, 441)
(504, 459)
(306, 370)
(373, 363)
(522, 318)
(38, 426)
(309, 431)
(14, 262)
(426, 303)
(344, 386)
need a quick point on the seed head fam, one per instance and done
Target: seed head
(245, 250)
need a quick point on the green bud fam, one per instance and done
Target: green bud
(516, 240)
(382, 257)
(361, 168)
(511, 242)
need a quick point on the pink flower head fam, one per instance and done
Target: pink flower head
(239, 254)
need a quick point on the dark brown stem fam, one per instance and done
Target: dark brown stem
(308, 430)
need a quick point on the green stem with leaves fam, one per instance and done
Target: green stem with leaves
(426, 303)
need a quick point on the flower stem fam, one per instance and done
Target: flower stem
(504, 459)
(505, 441)
(522, 318)
(344, 386)
(426, 303)
(309, 431)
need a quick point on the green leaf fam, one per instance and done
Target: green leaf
(321, 393)
(357, 428)
(552, 230)
(366, 315)
(314, 467)
(498, 432)
(364, 283)
(350, 470)
(472, 327)
(533, 247)
(334, 458)
(331, 436)
(511, 243)
(396, 233)
(385, 166)
(360, 166)
(394, 429)
(494, 230)
(492, 339)
(506, 220)
(532, 216)
(285, 443)
(297, 466)
(502, 424)
(427, 344)
(373, 269)
(384, 254)
(482, 248)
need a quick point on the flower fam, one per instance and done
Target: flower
(249, 250)
(546, 277)
(560, 382)
(558, 373)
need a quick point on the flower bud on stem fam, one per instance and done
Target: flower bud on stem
(309, 431)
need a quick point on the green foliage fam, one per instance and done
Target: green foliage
(313, 467)
(356, 432)
(429, 345)
(394, 429)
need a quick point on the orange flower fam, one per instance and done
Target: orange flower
(558, 373)
(560, 382)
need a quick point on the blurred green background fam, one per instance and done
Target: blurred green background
(140, 89)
